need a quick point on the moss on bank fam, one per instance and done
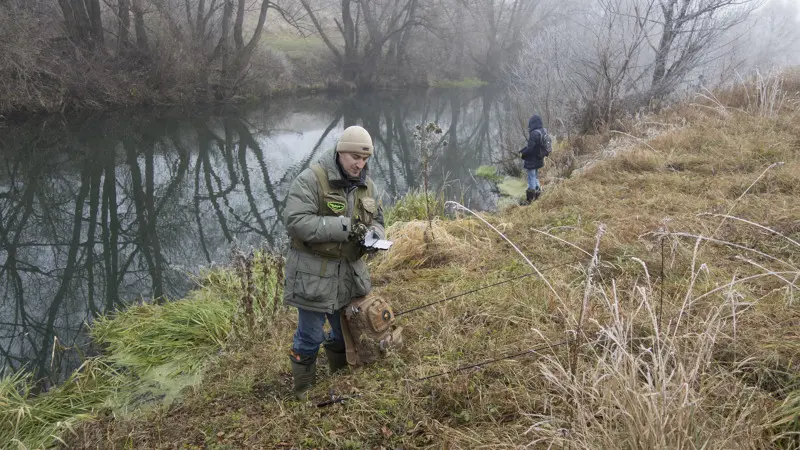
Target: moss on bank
(463, 83)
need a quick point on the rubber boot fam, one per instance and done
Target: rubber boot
(530, 195)
(536, 193)
(304, 373)
(337, 357)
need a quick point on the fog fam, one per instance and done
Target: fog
(582, 63)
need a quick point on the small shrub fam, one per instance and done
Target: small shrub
(488, 173)
(427, 139)
(511, 164)
(412, 206)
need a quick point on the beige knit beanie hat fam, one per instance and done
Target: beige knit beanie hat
(355, 140)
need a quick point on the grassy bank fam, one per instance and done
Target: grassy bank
(48, 76)
(663, 313)
(151, 353)
(464, 83)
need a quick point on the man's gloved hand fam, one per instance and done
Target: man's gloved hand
(358, 231)
(377, 231)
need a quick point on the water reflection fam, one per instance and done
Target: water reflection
(101, 212)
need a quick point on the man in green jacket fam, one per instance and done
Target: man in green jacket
(329, 209)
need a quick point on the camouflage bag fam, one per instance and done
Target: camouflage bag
(369, 330)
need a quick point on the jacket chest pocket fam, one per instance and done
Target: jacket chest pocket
(315, 278)
(334, 204)
(368, 208)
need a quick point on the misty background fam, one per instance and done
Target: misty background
(581, 63)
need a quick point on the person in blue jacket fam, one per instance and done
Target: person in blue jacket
(533, 156)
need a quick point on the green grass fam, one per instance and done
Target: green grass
(786, 423)
(464, 83)
(39, 421)
(488, 173)
(295, 46)
(151, 353)
(181, 333)
(412, 206)
(513, 187)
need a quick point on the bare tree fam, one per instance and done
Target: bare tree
(615, 56)
(771, 39)
(367, 29)
(682, 33)
(498, 28)
(82, 22)
(123, 25)
(244, 50)
(215, 30)
(138, 22)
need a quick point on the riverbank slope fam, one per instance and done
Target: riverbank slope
(663, 313)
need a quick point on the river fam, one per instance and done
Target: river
(101, 211)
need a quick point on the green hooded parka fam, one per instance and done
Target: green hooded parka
(325, 271)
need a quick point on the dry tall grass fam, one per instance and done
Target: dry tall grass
(643, 385)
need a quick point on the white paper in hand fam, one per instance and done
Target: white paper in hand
(373, 241)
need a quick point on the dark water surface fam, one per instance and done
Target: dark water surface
(100, 212)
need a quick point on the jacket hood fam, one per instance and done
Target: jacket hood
(535, 122)
(336, 176)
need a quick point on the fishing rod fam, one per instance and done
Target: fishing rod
(492, 361)
(342, 398)
(337, 399)
(398, 314)
(334, 399)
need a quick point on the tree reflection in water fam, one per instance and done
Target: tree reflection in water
(101, 212)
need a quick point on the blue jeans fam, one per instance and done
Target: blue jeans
(533, 179)
(309, 334)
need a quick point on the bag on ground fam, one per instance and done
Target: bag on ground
(368, 324)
